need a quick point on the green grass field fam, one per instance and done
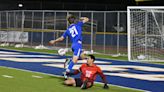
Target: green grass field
(23, 81)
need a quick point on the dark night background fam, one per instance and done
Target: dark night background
(99, 5)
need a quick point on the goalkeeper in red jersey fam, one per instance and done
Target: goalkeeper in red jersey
(88, 71)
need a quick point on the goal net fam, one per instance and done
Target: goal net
(145, 33)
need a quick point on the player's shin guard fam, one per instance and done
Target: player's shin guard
(65, 75)
(66, 63)
(70, 66)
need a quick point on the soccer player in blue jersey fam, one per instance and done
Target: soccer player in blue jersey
(74, 32)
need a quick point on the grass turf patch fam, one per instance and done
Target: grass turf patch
(23, 81)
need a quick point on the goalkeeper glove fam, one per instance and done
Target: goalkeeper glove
(106, 86)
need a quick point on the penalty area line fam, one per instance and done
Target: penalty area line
(35, 76)
(7, 76)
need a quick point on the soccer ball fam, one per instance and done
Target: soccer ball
(61, 52)
(141, 57)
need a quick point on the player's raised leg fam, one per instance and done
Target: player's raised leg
(77, 52)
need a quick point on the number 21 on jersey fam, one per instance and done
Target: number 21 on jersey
(73, 31)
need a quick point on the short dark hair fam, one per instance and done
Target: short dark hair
(71, 19)
(92, 57)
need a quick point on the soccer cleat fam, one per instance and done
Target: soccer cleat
(65, 75)
(66, 63)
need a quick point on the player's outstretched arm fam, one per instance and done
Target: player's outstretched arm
(104, 79)
(57, 40)
(84, 19)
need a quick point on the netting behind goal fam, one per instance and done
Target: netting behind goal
(146, 33)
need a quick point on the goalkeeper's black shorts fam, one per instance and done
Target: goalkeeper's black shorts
(78, 82)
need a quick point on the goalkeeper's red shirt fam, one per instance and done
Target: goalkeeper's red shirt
(90, 72)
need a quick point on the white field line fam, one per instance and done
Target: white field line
(36, 76)
(57, 54)
(25, 56)
(7, 52)
(47, 60)
(103, 67)
(7, 76)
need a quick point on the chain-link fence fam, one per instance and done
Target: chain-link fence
(106, 31)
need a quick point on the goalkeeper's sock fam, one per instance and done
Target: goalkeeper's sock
(71, 64)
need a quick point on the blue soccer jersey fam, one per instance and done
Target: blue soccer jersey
(74, 32)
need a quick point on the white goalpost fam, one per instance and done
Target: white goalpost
(145, 33)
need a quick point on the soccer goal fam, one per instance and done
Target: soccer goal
(145, 33)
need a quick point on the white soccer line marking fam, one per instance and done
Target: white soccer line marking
(47, 60)
(103, 67)
(52, 53)
(35, 76)
(143, 68)
(116, 67)
(25, 56)
(62, 77)
(7, 52)
(149, 77)
(7, 76)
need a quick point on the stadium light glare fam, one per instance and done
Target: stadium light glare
(20, 5)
